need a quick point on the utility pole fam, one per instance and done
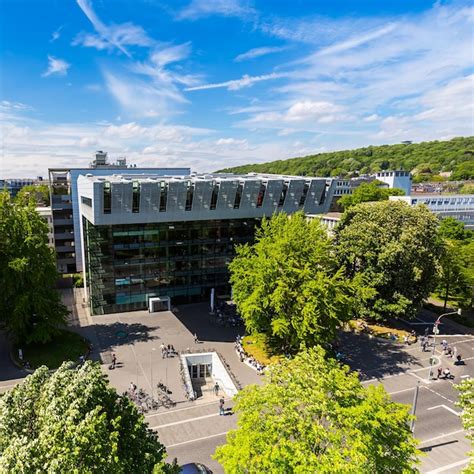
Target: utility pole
(413, 410)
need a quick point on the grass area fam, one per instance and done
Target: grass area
(64, 346)
(377, 330)
(256, 345)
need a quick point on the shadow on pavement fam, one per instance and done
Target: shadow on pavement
(119, 334)
(197, 320)
(375, 357)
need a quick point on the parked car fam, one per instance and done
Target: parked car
(195, 468)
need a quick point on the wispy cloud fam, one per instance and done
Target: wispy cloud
(204, 8)
(57, 67)
(358, 40)
(258, 52)
(236, 84)
(56, 35)
(110, 36)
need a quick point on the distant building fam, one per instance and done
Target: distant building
(14, 185)
(329, 220)
(459, 206)
(396, 179)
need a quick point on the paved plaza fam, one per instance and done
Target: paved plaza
(191, 431)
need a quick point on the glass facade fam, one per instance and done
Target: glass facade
(127, 264)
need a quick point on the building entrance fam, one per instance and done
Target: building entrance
(200, 371)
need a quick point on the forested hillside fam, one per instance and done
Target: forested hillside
(425, 160)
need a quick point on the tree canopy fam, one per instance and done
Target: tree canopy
(29, 305)
(368, 192)
(313, 415)
(395, 248)
(426, 160)
(287, 286)
(450, 228)
(38, 193)
(71, 421)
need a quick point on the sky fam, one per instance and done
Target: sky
(216, 83)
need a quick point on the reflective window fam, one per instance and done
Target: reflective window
(238, 195)
(107, 198)
(136, 197)
(189, 196)
(284, 191)
(261, 194)
(304, 194)
(163, 195)
(214, 195)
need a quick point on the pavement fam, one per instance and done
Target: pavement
(191, 431)
(403, 368)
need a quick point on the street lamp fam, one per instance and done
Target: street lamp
(435, 332)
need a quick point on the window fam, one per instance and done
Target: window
(304, 194)
(214, 195)
(261, 194)
(189, 196)
(238, 195)
(136, 197)
(163, 195)
(283, 195)
(87, 201)
(107, 198)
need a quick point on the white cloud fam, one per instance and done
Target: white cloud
(57, 67)
(258, 52)
(236, 84)
(371, 118)
(204, 8)
(358, 40)
(110, 36)
(55, 35)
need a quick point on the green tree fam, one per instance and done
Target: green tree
(29, 305)
(450, 228)
(368, 192)
(466, 402)
(71, 421)
(313, 415)
(453, 280)
(395, 248)
(38, 193)
(286, 285)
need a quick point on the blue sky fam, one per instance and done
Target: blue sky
(215, 83)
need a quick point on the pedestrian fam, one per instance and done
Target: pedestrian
(449, 351)
(427, 330)
(423, 346)
(81, 359)
(216, 389)
(414, 336)
(133, 387)
(196, 340)
(405, 339)
(221, 406)
(163, 350)
(444, 343)
(440, 371)
(114, 361)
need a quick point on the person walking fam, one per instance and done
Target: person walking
(221, 407)
(440, 371)
(196, 340)
(114, 361)
(163, 351)
(216, 389)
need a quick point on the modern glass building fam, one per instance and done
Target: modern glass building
(128, 264)
(172, 236)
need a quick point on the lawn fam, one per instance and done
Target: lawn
(377, 330)
(64, 346)
(256, 346)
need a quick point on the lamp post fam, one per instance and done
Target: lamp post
(435, 332)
